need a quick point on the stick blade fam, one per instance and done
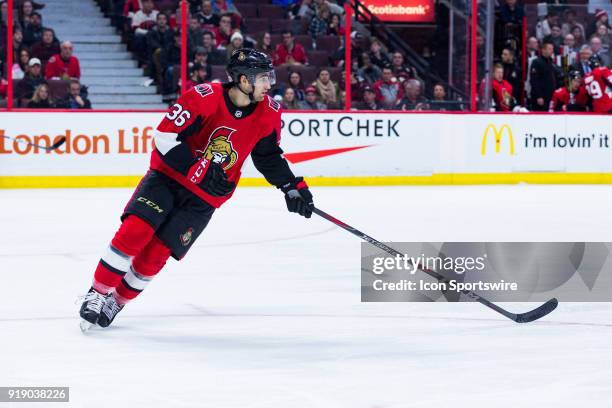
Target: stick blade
(58, 143)
(538, 312)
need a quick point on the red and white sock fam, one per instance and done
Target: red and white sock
(145, 266)
(133, 235)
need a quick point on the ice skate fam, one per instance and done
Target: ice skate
(91, 308)
(109, 311)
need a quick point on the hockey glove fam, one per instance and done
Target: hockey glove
(298, 197)
(210, 177)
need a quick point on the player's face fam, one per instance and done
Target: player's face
(263, 83)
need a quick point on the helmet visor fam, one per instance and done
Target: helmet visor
(265, 78)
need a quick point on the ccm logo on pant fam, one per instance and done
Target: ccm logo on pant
(150, 204)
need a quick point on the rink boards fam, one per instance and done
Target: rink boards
(110, 149)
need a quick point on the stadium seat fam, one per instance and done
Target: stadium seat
(318, 58)
(218, 72)
(270, 11)
(257, 25)
(328, 43)
(58, 89)
(248, 10)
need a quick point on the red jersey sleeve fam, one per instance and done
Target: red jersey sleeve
(182, 121)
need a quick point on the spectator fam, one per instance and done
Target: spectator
(289, 51)
(144, 19)
(570, 22)
(75, 100)
(573, 97)
(215, 56)
(310, 101)
(378, 57)
(206, 17)
(543, 79)
(198, 75)
(333, 7)
(388, 90)
(33, 31)
(400, 70)
(295, 82)
(326, 88)
(368, 100)
(171, 60)
(289, 99)
(439, 102)
(501, 90)
(512, 72)
(569, 46)
(306, 11)
(224, 7)
(236, 42)
(413, 96)
(596, 47)
(41, 99)
(544, 27)
(368, 71)
(46, 47)
(605, 36)
(601, 17)
(194, 35)
(20, 67)
(579, 39)
(63, 65)
(582, 65)
(319, 24)
(3, 87)
(511, 13)
(224, 33)
(335, 26)
(158, 38)
(25, 13)
(130, 7)
(533, 47)
(33, 78)
(357, 85)
(17, 43)
(555, 38)
(264, 43)
(201, 58)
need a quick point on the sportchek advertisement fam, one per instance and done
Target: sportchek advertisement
(339, 148)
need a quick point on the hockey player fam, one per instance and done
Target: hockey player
(573, 97)
(201, 144)
(598, 83)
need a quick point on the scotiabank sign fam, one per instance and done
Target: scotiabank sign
(407, 11)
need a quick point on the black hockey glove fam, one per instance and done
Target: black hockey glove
(211, 178)
(298, 197)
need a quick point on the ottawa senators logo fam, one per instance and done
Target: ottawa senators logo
(220, 149)
(186, 237)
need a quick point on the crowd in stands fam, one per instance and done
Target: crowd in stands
(562, 53)
(45, 72)
(305, 39)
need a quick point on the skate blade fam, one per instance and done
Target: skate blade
(85, 326)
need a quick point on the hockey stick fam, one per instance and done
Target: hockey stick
(526, 317)
(55, 145)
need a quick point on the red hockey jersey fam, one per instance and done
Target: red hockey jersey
(205, 122)
(564, 100)
(599, 86)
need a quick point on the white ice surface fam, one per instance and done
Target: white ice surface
(265, 311)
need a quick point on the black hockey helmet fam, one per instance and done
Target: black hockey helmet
(594, 62)
(575, 74)
(249, 62)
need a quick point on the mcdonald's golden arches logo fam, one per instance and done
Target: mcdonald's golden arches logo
(497, 134)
